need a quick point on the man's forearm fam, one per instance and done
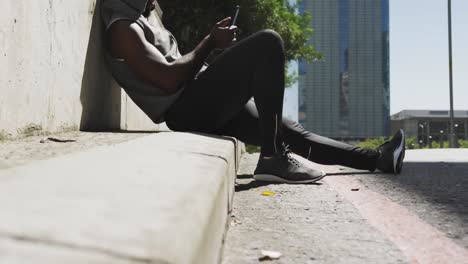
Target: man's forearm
(190, 64)
(173, 75)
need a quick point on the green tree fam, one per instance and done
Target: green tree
(190, 21)
(372, 143)
(410, 143)
(463, 143)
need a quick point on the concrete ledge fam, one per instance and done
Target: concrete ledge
(430, 162)
(164, 198)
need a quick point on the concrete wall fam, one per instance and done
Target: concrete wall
(52, 73)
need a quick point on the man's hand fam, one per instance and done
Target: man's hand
(222, 35)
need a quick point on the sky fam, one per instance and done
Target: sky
(419, 75)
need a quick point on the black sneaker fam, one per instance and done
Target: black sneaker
(284, 168)
(392, 154)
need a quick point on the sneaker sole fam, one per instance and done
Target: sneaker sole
(399, 154)
(400, 162)
(273, 178)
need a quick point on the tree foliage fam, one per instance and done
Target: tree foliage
(190, 21)
(463, 143)
(372, 143)
(410, 143)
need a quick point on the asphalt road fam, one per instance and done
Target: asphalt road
(352, 216)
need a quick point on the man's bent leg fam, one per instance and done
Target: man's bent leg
(252, 68)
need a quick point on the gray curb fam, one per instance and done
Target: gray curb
(164, 198)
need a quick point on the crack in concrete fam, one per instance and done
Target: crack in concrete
(210, 155)
(70, 246)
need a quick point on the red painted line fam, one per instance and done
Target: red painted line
(419, 241)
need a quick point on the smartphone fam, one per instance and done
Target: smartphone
(236, 14)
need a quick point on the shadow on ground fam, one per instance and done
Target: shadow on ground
(240, 187)
(136, 131)
(440, 183)
(351, 173)
(444, 184)
(248, 185)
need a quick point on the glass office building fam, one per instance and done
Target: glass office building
(346, 94)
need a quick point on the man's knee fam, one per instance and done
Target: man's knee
(270, 33)
(272, 39)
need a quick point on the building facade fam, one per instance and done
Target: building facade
(346, 95)
(431, 126)
(291, 94)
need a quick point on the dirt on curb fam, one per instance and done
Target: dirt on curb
(21, 151)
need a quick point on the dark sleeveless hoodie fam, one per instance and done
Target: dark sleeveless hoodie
(151, 99)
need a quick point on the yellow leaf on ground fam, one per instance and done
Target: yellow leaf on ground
(268, 193)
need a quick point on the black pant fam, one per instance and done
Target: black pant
(218, 102)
